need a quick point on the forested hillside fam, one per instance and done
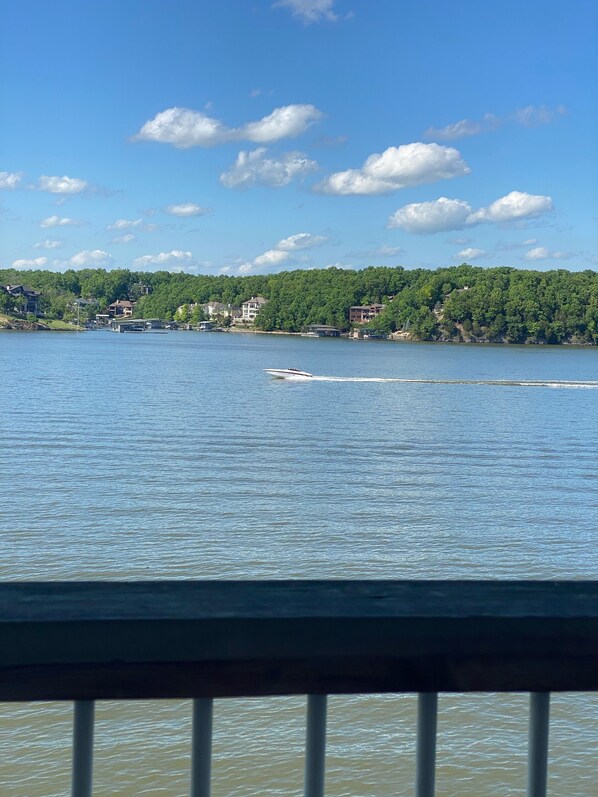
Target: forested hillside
(457, 303)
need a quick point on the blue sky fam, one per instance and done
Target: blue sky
(253, 136)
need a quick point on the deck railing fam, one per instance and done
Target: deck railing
(81, 642)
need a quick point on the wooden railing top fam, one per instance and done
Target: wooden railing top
(43, 601)
(69, 640)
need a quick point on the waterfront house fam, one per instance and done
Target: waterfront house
(214, 309)
(251, 308)
(219, 311)
(122, 307)
(361, 314)
(184, 311)
(30, 300)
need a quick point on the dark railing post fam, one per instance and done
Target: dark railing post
(537, 752)
(82, 748)
(201, 747)
(315, 746)
(427, 721)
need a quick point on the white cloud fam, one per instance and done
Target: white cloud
(538, 253)
(62, 185)
(187, 209)
(176, 257)
(255, 169)
(38, 262)
(125, 224)
(289, 121)
(376, 252)
(427, 217)
(464, 128)
(396, 168)
(95, 257)
(471, 253)
(535, 115)
(58, 221)
(284, 250)
(49, 243)
(512, 207)
(309, 11)
(10, 180)
(127, 238)
(388, 251)
(504, 246)
(454, 214)
(531, 116)
(132, 224)
(542, 253)
(301, 240)
(273, 257)
(185, 128)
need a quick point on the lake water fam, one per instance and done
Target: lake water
(174, 456)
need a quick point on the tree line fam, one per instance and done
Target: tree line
(460, 303)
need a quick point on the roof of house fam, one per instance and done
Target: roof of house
(23, 289)
(256, 300)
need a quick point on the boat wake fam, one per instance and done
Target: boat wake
(552, 383)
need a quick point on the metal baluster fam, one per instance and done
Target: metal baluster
(201, 747)
(427, 722)
(537, 751)
(315, 746)
(82, 748)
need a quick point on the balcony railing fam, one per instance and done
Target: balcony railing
(81, 641)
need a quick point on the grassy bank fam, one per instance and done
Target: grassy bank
(14, 322)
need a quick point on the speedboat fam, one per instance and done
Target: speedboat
(288, 373)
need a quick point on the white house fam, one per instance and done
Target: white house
(215, 309)
(251, 308)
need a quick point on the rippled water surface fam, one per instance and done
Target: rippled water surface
(175, 456)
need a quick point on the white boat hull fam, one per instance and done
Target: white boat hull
(288, 373)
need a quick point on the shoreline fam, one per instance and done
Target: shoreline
(9, 324)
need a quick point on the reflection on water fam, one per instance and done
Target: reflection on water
(174, 456)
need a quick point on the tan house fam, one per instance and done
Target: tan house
(121, 308)
(219, 309)
(251, 308)
(361, 314)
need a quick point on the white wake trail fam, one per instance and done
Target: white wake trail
(552, 383)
